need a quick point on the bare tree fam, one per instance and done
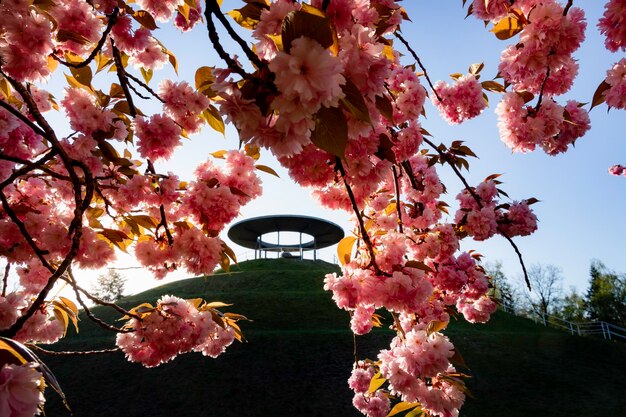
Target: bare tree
(546, 282)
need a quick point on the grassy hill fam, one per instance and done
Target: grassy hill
(299, 356)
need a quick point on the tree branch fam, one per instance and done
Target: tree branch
(121, 75)
(476, 198)
(98, 48)
(419, 62)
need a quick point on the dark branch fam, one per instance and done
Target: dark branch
(444, 157)
(98, 48)
(121, 75)
(419, 62)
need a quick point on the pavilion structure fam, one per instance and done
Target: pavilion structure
(250, 234)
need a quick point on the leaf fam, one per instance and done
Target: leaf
(384, 106)
(66, 36)
(70, 304)
(435, 326)
(331, 131)
(249, 15)
(457, 359)
(145, 221)
(173, 60)
(204, 78)
(475, 69)
(301, 23)
(83, 75)
(267, 169)
(598, 96)
(377, 381)
(252, 151)
(507, 28)
(344, 249)
(216, 304)
(5, 87)
(400, 407)
(416, 412)
(146, 74)
(62, 317)
(116, 237)
(418, 265)
(145, 19)
(493, 86)
(214, 119)
(354, 102)
(229, 252)
(527, 96)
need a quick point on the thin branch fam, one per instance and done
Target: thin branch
(121, 75)
(5, 280)
(88, 312)
(34, 166)
(568, 6)
(213, 7)
(71, 352)
(419, 62)
(72, 281)
(145, 87)
(357, 212)
(163, 223)
(215, 40)
(543, 85)
(98, 48)
(27, 168)
(398, 208)
(480, 205)
(22, 118)
(132, 87)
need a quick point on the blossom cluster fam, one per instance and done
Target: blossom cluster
(173, 327)
(460, 101)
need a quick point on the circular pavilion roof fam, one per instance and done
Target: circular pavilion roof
(247, 233)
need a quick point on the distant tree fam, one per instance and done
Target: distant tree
(572, 306)
(503, 291)
(110, 287)
(606, 296)
(545, 281)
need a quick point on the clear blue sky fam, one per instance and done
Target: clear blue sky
(582, 208)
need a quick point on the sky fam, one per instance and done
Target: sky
(581, 209)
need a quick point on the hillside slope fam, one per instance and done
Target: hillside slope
(299, 355)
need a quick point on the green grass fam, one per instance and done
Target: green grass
(299, 356)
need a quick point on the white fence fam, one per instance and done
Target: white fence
(602, 329)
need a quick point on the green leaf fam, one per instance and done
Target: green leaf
(331, 131)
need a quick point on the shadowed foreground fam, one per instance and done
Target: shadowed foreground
(300, 351)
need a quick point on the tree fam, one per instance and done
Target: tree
(325, 91)
(504, 292)
(109, 287)
(572, 307)
(545, 281)
(606, 297)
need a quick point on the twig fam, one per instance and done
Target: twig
(22, 118)
(121, 75)
(33, 166)
(568, 6)
(419, 62)
(163, 223)
(480, 205)
(98, 48)
(5, 280)
(71, 352)
(144, 85)
(397, 187)
(543, 85)
(213, 7)
(357, 212)
(215, 40)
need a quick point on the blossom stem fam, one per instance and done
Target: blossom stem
(5, 280)
(70, 352)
